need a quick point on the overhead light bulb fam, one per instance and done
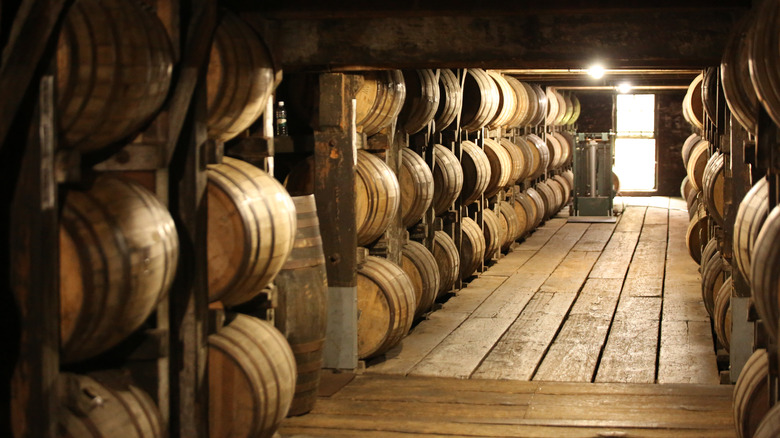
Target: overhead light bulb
(596, 71)
(624, 88)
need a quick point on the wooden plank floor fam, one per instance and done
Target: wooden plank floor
(576, 302)
(582, 330)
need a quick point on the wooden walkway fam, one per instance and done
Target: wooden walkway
(613, 310)
(576, 302)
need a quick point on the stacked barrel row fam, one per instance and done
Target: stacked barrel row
(119, 246)
(747, 77)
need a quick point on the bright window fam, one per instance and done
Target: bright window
(635, 155)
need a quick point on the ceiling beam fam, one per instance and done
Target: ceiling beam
(624, 39)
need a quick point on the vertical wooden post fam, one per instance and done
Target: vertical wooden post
(334, 190)
(189, 294)
(34, 258)
(742, 330)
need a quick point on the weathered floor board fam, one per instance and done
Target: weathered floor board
(391, 406)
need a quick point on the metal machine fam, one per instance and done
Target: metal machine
(593, 157)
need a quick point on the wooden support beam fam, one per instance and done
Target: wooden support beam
(334, 163)
(34, 264)
(189, 293)
(34, 27)
(657, 38)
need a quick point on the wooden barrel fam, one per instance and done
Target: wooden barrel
(447, 179)
(751, 214)
(565, 188)
(722, 315)
(751, 394)
(561, 192)
(251, 230)
(577, 109)
(553, 107)
(492, 233)
(567, 146)
(710, 88)
(500, 163)
(476, 172)
(541, 154)
(542, 103)
(302, 304)
(447, 259)
(693, 105)
(379, 100)
(118, 256)
(763, 59)
(770, 425)
(766, 275)
(569, 176)
(480, 100)
(106, 404)
(450, 100)
(696, 234)
(508, 218)
(526, 212)
(507, 101)
(520, 205)
(549, 199)
(423, 272)
(696, 164)
(712, 187)
(539, 204)
(693, 202)
(735, 75)
(386, 305)
(240, 78)
(685, 187)
(531, 158)
(472, 247)
(377, 197)
(524, 110)
(114, 65)
(556, 151)
(569, 108)
(251, 378)
(687, 147)
(712, 280)
(615, 183)
(422, 100)
(517, 169)
(709, 250)
(416, 184)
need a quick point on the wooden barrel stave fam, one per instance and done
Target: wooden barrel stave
(480, 99)
(416, 187)
(420, 265)
(301, 311)
(118, 256)
(476, 172)
(751, 214)
(712, 187)
(386, 305)
(251, 378)
(447, 259)
(421, 102)
(472, 247)
(450, 100)
(765, 273)
(447, 179)
(251, 230)
(722, 314)
(500, 163)
(751, 394)
(491, 232)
